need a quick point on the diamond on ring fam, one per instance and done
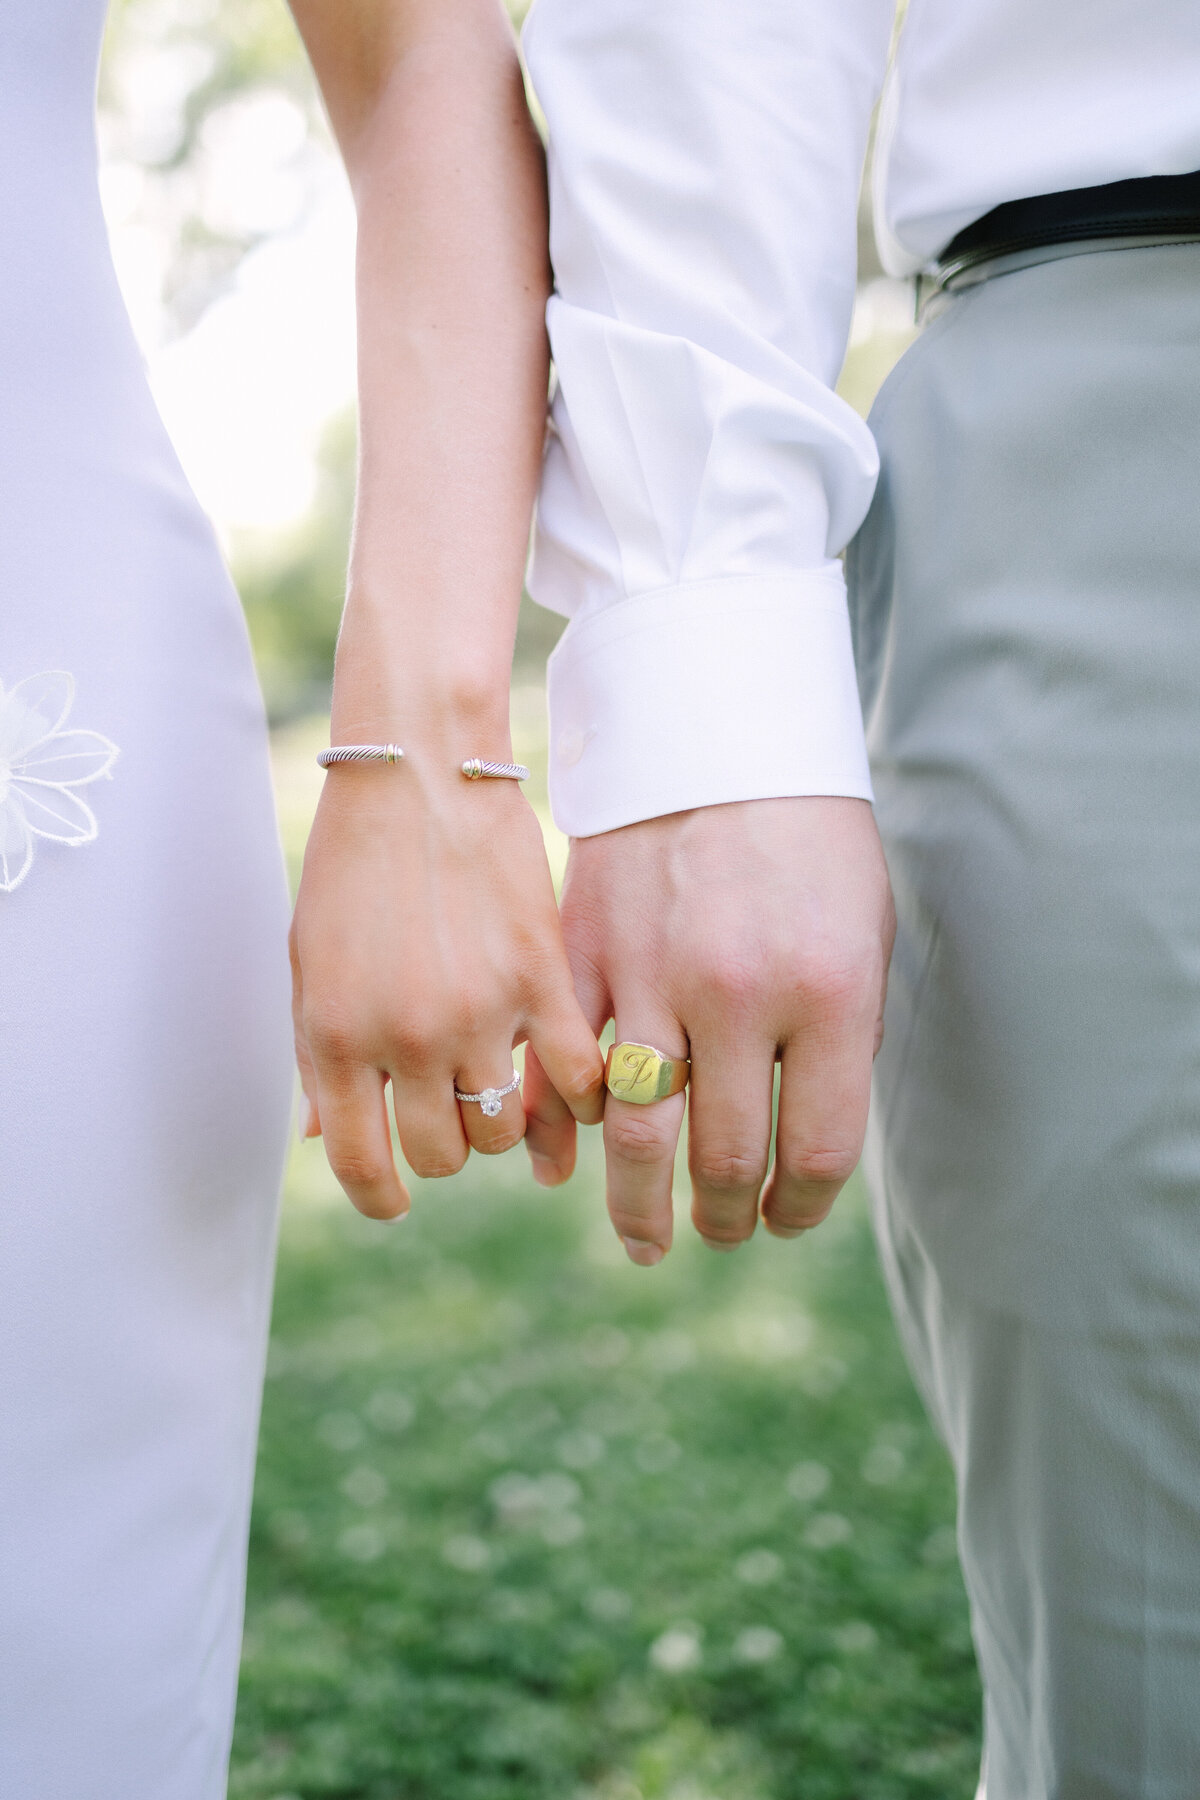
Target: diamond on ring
(490, 1100)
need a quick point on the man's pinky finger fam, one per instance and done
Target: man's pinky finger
(819, 1137)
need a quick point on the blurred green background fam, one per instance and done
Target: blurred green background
(530, 1523)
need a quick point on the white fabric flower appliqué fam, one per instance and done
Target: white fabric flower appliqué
(41, 766)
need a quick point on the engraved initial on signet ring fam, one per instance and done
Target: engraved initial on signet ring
(641, 1074)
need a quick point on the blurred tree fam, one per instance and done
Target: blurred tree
(178, 78)
(291, 585)
(214, 138)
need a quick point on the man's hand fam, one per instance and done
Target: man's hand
(739, 935)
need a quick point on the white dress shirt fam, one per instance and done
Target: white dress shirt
(701, 475)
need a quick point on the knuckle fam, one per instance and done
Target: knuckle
(435, 1164)
(729, 1170)
(331, 1039)
(541, 1112)
(506, 1139)
(640, 1226)
(837, 986)
(734, 981)
(467, 1016)
(583, 1079)
(359, 1168)
(542, 982)
(414, 1044)
(819, 1165)
(637, 1139)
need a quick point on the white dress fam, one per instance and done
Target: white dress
(145, 1067)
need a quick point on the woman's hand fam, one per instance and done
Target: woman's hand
(425, 945)
(426, 941)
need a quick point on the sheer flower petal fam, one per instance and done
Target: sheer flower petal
(41, 765)
(55, 812)
(16, 844)
(68, 758)
(32, 711)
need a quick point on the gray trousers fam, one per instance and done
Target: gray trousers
(1026, 602)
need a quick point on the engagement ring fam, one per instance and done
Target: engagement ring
(491, 1100)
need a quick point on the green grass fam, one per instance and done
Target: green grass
(533, 1524)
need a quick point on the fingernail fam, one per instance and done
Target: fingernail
(306, 1118)
(714, 1245)
(643, 1253)
(545, 1172)
(788, 1231)
(395, 1218)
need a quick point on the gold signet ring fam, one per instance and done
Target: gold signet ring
(642, 1074)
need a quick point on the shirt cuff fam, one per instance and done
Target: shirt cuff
(738, 689)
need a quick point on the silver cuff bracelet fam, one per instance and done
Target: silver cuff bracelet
(348, 753)
(475, 769)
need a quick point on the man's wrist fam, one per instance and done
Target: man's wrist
(705, 694)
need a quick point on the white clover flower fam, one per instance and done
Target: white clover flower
(678, 1649)
(41, 765)
(757, 1644)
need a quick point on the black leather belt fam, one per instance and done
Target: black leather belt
(1157, 207)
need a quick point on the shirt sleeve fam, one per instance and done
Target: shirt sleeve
(701, 475)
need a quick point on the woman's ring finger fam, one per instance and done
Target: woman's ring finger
(493, 1117)
(490, 1100)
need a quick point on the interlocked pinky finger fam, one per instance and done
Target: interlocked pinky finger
(549, 1125)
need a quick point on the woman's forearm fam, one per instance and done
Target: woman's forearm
(449, 184)
(426, 943)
